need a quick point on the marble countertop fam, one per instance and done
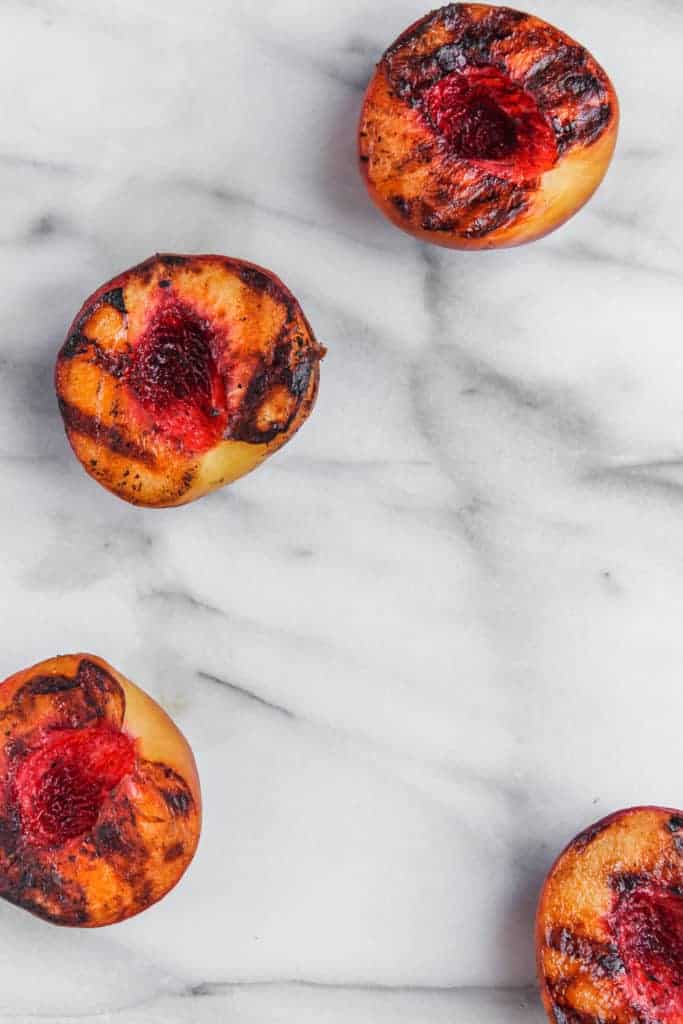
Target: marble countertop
(441, 631)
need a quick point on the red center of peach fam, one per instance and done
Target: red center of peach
(174, 376)
(62, 785)
(484, 116)
(647, 924)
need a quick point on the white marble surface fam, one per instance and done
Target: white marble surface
(442, 630)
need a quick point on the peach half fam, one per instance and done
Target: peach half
(610, 923)
(100, 807)
(484, 127)
(184, 373)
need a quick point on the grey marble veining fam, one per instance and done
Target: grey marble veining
(436, 635)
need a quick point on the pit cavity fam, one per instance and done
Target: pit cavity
(175, 377)
(62, 785)
(483, 116)
(647, 925)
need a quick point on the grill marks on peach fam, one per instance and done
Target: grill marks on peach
(600, 958)
(110, 437)
(78, 845)
(468, 108)
(561, 78)
(273, 395)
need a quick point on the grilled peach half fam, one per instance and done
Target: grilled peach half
(483, 127)
(183, 374)
(100, 807)
(610, 923)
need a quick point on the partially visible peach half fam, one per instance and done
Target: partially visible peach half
(610, 923)
(184, 373)
(100, 807)
(484, 127)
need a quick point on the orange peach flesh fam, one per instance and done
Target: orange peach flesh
(588, 958)
(263, 357)
(465, 203)
(147, 828)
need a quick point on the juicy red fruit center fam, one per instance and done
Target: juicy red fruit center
(62, 785)
(483, 116)
(174, 376)
(647, 924)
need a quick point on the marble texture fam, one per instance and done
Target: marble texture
(441, 631)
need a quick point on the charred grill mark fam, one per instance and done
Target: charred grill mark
(628, 881)
(179, 801)
(404, 206)
(547, 77)
(565, 84)
(255, 279)
(489, 203)
(172, 787)
(35, 885)
(602, 958)
(112, 438)
(594, 123)
(102, 694)
(563, 1011)
(169, 259)
(75, 345)
(108, 839)
(472, 43)
(51, 684)
(174, 852)
(10, 833)
(675, 823)
(586, 837)
(496, 218)
(94, 677)
(300, 378)
(279, 373)
(62, 702)
(566, 1014)
(115, 298)
(114, 363)
(261, 282)
(453, 16)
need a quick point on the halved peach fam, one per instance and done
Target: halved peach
(485, 127)
(610, 923)
(100, 807)
(184, 373)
